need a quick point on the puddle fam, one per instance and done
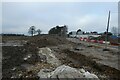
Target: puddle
(13, 43)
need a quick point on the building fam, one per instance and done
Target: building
(81, 34)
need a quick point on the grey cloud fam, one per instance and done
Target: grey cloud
(18, 17)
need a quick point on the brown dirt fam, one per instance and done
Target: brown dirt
(91, 65)
(13, 55)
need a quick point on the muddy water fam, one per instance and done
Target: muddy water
(0, 44)
(11, 44)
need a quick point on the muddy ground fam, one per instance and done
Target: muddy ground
(75, 59)
(13, 62)
(15, 66)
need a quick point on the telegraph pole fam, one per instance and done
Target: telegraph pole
(106, 39)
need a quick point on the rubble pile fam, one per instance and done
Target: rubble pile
(46, 54)
(64, 71)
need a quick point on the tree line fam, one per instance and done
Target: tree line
(57, 30)
(3, 34)
(61, 31)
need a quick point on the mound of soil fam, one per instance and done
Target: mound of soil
(13, 56)
(43, 41)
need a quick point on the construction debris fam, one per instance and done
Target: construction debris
(49, 55)
(89, 75)
(64, 71)
(55, 57)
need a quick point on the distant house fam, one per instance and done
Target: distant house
(94, 33)
(81, 34)
(76, 33)
(72, 34)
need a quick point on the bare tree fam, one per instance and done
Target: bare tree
(59, 30)
(79, 30)
(114, 30)
(32, 30)
(39, 31)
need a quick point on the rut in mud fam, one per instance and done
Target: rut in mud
(78, 60)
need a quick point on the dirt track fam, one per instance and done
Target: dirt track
(73, 58)
(109, 58)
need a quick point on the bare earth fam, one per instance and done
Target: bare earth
(25, 57)
(109, 58)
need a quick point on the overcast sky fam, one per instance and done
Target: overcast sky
(17, 17)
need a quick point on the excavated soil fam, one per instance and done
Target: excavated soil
(13, 62)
